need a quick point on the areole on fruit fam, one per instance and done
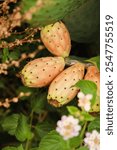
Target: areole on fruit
(56, 39)
(62, 90)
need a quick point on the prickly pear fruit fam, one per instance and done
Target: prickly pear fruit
(41, 71)
(62, 90)
(93, 74)
(56, 39)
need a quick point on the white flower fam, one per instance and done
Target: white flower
(92, 140)
(68, 127)
(84, 101)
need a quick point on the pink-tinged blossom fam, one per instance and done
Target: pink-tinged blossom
(84, 101)
(92, 140)
(68, 127)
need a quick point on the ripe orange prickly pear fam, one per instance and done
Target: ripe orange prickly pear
(93, 74)
(56, 39)
(61, 90)
(41, 71)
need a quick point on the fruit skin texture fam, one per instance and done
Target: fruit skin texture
(41, 71)
(93, 74)
(62, 90)
(56, 39)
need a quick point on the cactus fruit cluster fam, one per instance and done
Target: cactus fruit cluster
(56, 38)
(50, 71)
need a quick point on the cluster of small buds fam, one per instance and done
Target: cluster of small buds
(7, 101)
(68, 127)
(16, 63)
(9, 21)
(4, 6)
(3, 68)
(30, 32)
(84, 101)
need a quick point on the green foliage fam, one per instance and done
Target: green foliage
(17, 125)
(94, 125)
(88, 87)
(78, 113)
(50, 11)
(73, 110)
(53, 141)
(83, 23)
(43, 128)
(5, 55)
(37, 148)
(14, 55)
(2, 84)
(13, 148)
(75, 142)
(95, 61)
(87, 116)
(30, 123)
(38, 102)
(83, 148)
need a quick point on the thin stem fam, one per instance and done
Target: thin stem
(83, 130)
(28, 142)
(68, 144)
(27, 145)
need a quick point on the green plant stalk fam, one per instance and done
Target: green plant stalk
(28, 142)
(83, 130)
(68, 144)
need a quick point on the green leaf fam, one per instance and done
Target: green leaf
(73, 110)
(75, 142)
(14, 55)
(9, 124)
(23, 131)
(36, 148)
(9, 148)
(43, 128)
(5, 55)
(77, 113)
(2, 84)
(87, 116)
(50, 11)
(95, 61)
(13, 148)
(83, 148)
(88, 87)
(38, 102)
(53, 141)
(17, 125)
(94, 125)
